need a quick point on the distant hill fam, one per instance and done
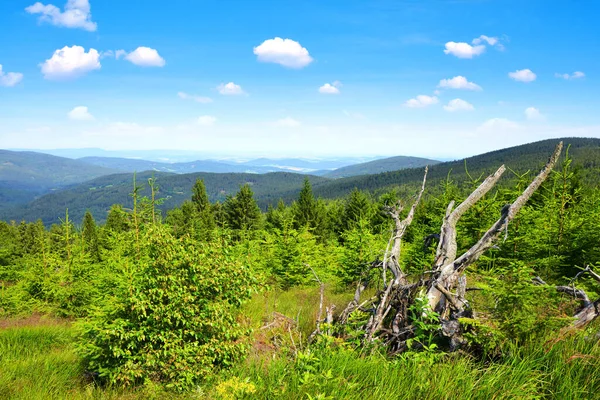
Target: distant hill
(585, 153)
(257, 166)
(133, 165)
(382, 165)
(100, 194)
(25, 175)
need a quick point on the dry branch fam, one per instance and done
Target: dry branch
(449, 273)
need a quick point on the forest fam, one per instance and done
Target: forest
(465, 282)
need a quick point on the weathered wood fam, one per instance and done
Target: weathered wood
(448, 274)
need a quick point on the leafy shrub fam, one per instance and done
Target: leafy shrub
(173, 317)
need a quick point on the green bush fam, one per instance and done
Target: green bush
(172, 319)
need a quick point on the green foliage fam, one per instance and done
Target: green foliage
(242, 213)
(361, 248)
(89, 233)
(524, 311)
(173, 317)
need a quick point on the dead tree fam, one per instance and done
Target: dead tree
(443, 288)
(588, 310)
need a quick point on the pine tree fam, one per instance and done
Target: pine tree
(117, 219)
(305, 208)
(358, 208)
(200, 197)
(242, 212)
(89, 232)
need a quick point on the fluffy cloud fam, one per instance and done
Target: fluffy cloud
(458, 82)
(492, 41)
(523, 75)
(286, 52)
(9, 79)
(477, 46)
(463, 50)
(207, 120)
(421, 101)
(483, 38)
(458, 105)
(70, 62)
(533, 114)
(497, 125)
(333, 88)
(574, 75)
(80, 113)
(76, 14)
(230, 89)
(142, 56)
(288, 123)
(197, 99)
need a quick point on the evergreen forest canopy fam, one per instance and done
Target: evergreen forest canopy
(445, 282)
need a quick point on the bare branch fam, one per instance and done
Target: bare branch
(446, 251)
(450, 271)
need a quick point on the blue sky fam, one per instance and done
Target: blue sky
(306, 78)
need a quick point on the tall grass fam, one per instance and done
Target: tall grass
(40, 362)
(569, 370)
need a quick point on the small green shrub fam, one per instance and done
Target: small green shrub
(173, 318)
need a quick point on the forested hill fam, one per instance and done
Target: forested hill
(25, 175)
(46, 170)
(132, 165)
(378, 166)
(529, 157)
(100, 194)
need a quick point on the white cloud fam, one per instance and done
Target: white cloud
(142, 56)
(207, 120)
(497, 125)
(76, 14)
(533, 114)
(80, 113)
(288, 122)
(458, 105)
(483, 38)
(523, 75)
(463, 50)
(197, 99)
(421, 101)
(458, 82)
(574, 75)
(330, 88)
(9, 79)
(466, 50)
(286, 52)
(70, 62)
(230, 89)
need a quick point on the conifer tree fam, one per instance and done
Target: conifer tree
(199, 196)
(89, 232)
(242, 211)
(117, 220)
(305, 208)
(358, 208)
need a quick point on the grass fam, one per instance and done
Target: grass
(38, 360)
(569, 370)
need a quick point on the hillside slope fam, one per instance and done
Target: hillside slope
(134, 165)
(383, 165)
(24, 175)
(100, 194)
(584, 151)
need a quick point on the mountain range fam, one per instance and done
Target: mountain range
(107, 188)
